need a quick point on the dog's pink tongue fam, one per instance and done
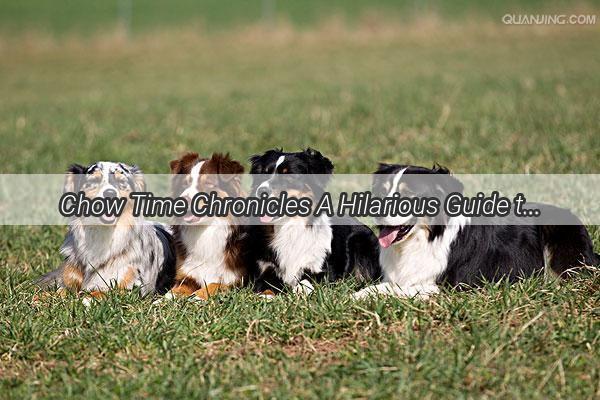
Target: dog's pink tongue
(265, 219)
(387, 235)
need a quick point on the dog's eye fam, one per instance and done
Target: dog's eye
(406, 192)
(91, 183)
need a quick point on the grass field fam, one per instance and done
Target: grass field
(60, 17)
(473, 95)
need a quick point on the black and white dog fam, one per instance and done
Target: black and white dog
(298, 250)
(419, 254)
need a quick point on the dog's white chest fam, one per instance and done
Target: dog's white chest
(109, 256)
(101, 244)
(417, 260)
(300, 248)
(205, 261)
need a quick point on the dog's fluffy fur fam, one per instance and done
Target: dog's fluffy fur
(419, 254)
(212, 253)
(302, 249)
(124, 252)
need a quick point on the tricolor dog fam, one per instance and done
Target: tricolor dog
(112, 251)
(213, 253)
(298, 250)
(420, 254)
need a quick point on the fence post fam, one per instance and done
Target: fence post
(125, 10)
(268, 12)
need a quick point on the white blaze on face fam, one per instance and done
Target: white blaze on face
(278, 163)
(265, 184)
(395, 182)
(192, 190)
(395, 220)
(107, 168)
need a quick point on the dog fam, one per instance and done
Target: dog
(300, 250)
(213, 253)
(120, 252)
(421, 253)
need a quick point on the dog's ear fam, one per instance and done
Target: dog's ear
(255, 166)
(439, 169)
(73, 178)
(226, 167)
(382, 167)
(256, 161)
(178, 166)
(444, 184)
(139, 182)
(447, 183)
(378, 179)
(319, 164)
(175, 166)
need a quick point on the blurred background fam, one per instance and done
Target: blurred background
(363, 81)
(87, 16)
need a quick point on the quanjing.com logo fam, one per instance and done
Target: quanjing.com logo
(549, 19)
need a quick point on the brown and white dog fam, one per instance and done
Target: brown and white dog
(118, 252)
(212, 252)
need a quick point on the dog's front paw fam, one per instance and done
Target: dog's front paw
(382, 289)
(304, 287)
(89, 298)
(87, 301)
(267, 294)
(363, 294)
(210, 290)
(168, 296)
(197, 299)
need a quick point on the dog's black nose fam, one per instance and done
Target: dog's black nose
(263, 190)
(108, 193)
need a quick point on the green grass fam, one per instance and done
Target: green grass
(529, 340)
(478, 98)
(88, 16)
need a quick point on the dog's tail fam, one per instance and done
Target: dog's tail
(51, 279)
(567, 247)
